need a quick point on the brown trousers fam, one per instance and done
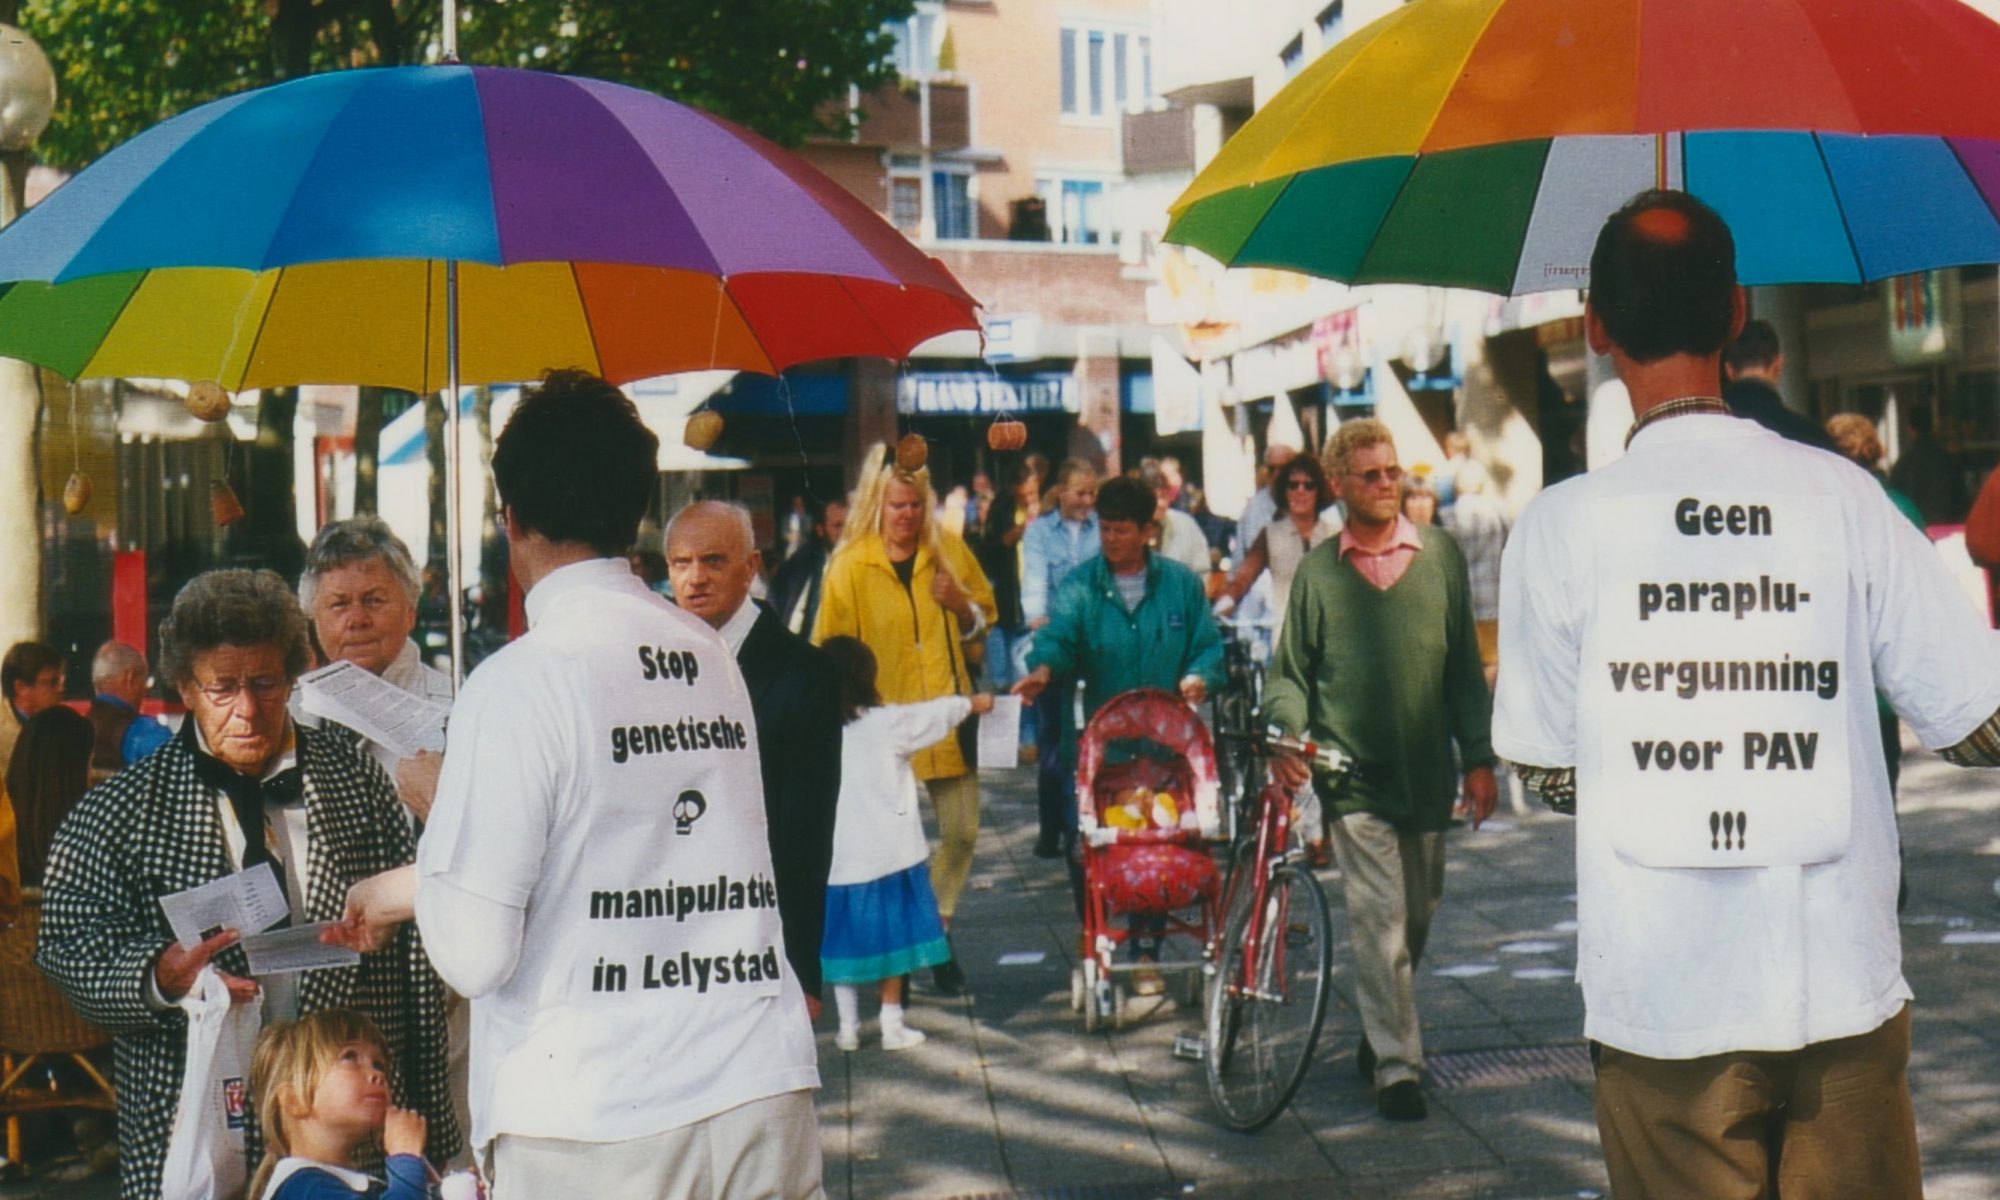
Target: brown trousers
(1828, 1122)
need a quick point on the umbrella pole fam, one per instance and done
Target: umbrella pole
(452, 573)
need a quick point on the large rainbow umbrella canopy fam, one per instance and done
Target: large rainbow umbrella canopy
(299, 234)
(1481, 143)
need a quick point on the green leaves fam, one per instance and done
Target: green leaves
(772, 65)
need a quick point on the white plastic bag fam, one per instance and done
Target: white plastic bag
(205, 1155)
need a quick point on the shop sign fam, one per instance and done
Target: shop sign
(1923, 313)
(975, 393)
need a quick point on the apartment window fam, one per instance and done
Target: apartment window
(1293, 56)
(1332, 22)
(1076, 210)
(1104, 70)
(906, 204)
(917, 40)
(951, 204)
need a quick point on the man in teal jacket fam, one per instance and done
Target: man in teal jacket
(1125, 619)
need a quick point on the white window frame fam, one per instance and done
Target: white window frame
(1138, 76)
(1049, 186)
(909, 33)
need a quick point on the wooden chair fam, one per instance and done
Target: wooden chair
(38, 1026)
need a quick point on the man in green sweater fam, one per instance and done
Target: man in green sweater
(1379, 656)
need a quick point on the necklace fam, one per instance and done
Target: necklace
(1679, 406)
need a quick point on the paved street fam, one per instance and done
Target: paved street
(1010, 1098)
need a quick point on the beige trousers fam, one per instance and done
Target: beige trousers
(956, 802)
(1829, 1122)
(764, 1150)
(1393, 882)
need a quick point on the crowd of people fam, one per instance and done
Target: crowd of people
(593, 934)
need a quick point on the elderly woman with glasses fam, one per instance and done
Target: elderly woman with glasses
(240, 785)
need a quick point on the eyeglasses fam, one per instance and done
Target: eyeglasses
(1375, 475)
(264, 689)
(1301, 484)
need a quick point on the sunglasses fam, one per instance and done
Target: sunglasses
(1301, 484)
(1375, 475)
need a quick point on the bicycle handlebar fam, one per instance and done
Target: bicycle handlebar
(1273, 741)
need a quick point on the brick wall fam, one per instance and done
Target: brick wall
(1066, 288)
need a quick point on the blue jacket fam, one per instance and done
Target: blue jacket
(1091, 636)
(1047, 558)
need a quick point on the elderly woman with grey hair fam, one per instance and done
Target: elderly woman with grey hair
(240, 785)
(359, 589)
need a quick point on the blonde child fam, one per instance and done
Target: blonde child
(321, 1086)
(881, 915)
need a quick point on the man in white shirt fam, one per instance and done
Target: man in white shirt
(1690, 642)
(595, 872)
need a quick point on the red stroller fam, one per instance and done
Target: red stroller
(1147, 802)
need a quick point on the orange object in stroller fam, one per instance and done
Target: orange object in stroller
(1148, 803)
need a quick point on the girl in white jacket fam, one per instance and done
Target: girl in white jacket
(881, 915)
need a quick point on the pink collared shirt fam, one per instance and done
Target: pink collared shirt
(1385, 566)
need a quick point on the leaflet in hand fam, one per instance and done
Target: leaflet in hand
(1000, 734)
(249, 902)
(375, 708)
(295, 948)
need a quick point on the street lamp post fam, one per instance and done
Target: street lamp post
(27, 100)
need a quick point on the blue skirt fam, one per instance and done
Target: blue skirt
(881, 929)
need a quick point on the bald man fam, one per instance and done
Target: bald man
(124, 736)
(712, 560)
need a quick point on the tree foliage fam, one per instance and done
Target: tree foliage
(773, 65)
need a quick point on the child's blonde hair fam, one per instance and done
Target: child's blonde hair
(290, 1058)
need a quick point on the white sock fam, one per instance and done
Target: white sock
(847, 1002)
(892, 1016)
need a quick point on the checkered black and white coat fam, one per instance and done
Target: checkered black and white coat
(155, 829)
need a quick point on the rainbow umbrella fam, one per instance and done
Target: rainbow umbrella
(1481, 143)
(423, 227)
(303, 233)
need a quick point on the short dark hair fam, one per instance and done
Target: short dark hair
(576, 464)
(49, 773)
(1301, 464)
(1663, 277)
(25, 662)
(854, 665)
(232, 607)
(1755, 347)
(1126, 499)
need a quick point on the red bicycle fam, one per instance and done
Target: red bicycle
(1269, 973)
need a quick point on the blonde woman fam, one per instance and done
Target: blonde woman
(914, 594)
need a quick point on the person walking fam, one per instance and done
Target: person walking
(914, 595)
(882, 919)
(1380, 658)
(1126, 618)
(1056, 542)
(1736, 847)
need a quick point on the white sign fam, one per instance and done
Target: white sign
(1714, 681)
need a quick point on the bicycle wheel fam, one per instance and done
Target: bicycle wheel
(1264, 1016)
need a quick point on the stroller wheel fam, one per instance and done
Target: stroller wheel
(1093, 1006)
(1077, 992)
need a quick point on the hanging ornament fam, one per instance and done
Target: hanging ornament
(912, 453)
(1006, 433)
(207, 401)
(223, 504)
(76, 493)
(702, 429)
